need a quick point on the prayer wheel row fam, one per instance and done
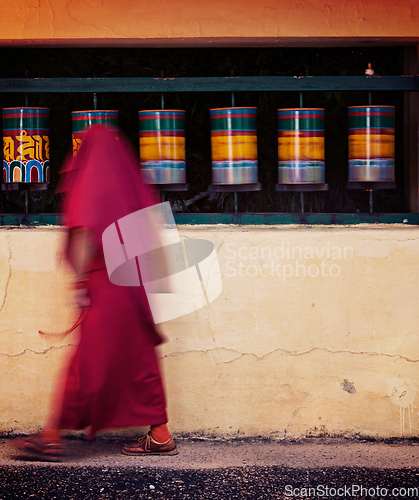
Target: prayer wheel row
(301, 156)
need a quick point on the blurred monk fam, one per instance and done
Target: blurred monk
(114, 379)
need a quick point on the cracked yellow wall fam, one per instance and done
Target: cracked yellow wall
(195, 22)
(315, 332)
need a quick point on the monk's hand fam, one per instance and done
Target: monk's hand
(81, 296)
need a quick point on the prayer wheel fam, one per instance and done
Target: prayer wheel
(83, 120)
(371, 143)
(26, 145)
(301, 146)
(162, 146)
(234, 146)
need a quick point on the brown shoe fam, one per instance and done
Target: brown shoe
(146, 445)
(38, 447)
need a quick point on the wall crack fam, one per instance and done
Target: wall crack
(290, 353)
(45, 351)
(6, 290)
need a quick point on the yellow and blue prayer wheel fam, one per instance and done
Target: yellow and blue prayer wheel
(234, 146)
(26, 145)
(83, 120)
(162, 146)
(301, 146)
(371, 143)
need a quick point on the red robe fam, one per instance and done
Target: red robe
(114, 378)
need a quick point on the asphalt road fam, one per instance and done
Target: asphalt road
(218, 470)
(40, 482)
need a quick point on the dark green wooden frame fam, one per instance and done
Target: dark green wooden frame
(215, 84)
(242, 219)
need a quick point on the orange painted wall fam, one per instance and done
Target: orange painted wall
(203, 22)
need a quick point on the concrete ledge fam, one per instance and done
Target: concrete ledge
(213, 454)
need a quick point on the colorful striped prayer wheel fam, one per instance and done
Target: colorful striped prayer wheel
(371, 143)
(162, 146)
(234, 146)
(26, 145)
(301, 146)
(83, 120)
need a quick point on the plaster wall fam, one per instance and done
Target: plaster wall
(200, 23)
(314, 333)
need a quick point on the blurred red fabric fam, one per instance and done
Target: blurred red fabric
(114, 378)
